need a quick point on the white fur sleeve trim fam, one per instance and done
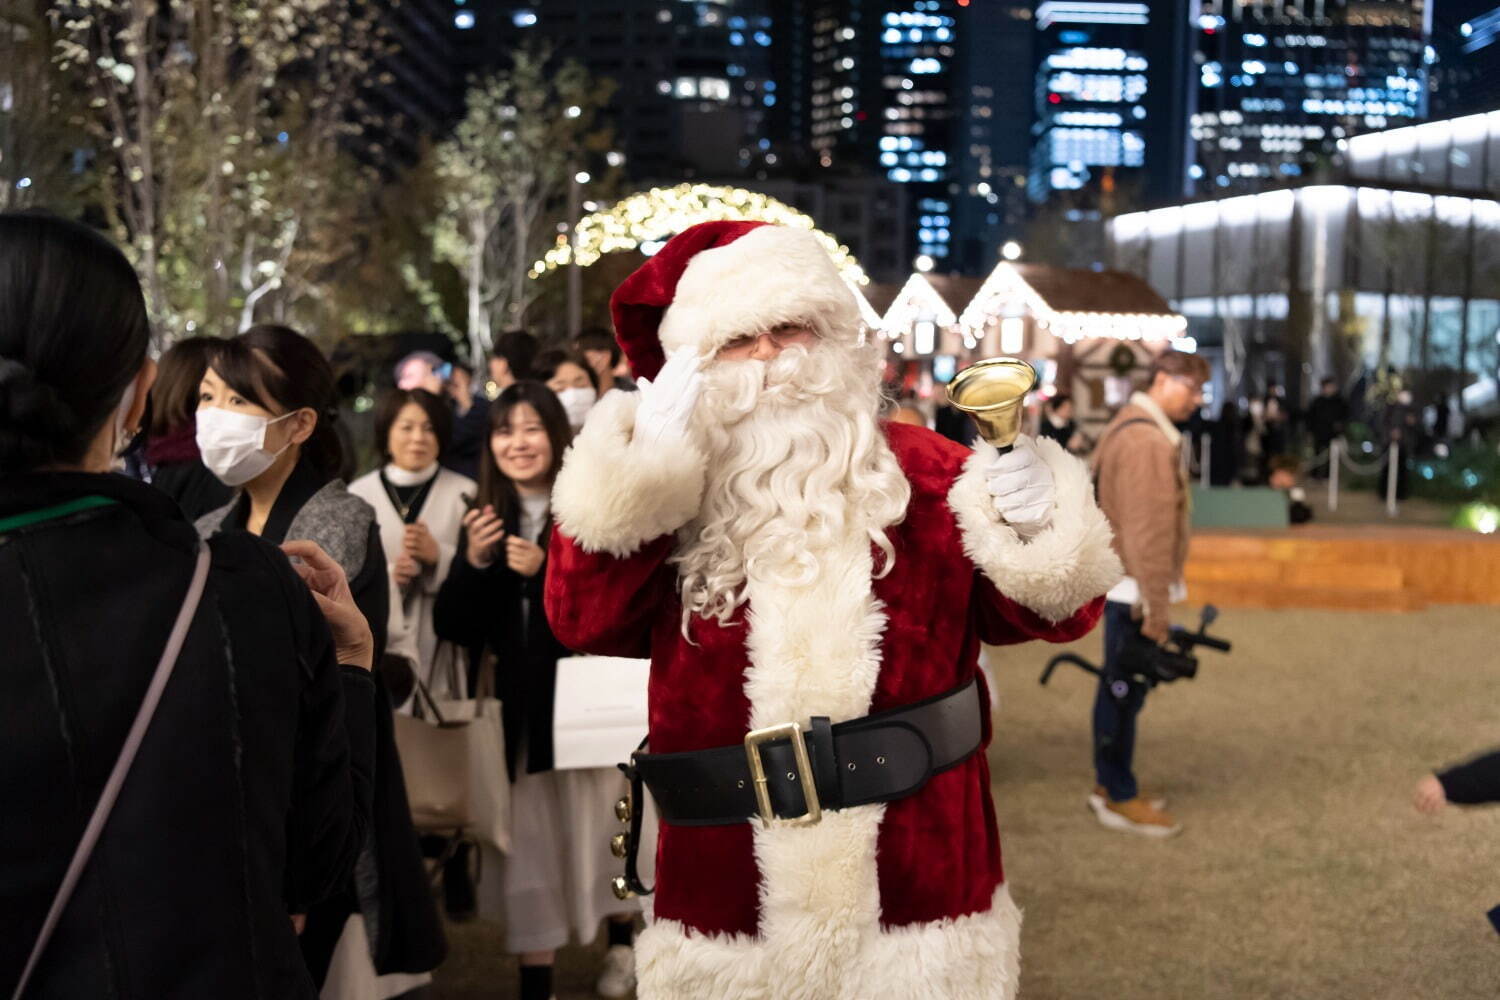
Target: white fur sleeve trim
(611, 498)
(1060, 569)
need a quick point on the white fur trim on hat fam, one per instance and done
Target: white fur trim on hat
(611, 498)
(769, 276)
(1062, 568)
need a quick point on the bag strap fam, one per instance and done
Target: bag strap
(133, 739)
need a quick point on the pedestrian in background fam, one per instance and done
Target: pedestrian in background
(575, 383)
(470, 414)
(1143, 491)
(1058, 424)
(1327, 416)
(172, 459)
(599, 348)
(419, 507)
(510, 361)
(250, 795)
(555, 882)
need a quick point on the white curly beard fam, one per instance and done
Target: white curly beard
(796, 458)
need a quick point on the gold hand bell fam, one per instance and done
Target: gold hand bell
(993, 392)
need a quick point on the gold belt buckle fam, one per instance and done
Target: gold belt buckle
(791, 731)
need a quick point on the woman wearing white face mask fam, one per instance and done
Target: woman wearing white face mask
(265, 425)
(573, 379)
(419, 506)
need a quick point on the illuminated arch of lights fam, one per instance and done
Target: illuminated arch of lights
(645, 221)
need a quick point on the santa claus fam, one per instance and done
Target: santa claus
(803, 575)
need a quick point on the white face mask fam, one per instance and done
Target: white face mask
(233, 445)
(577, 402)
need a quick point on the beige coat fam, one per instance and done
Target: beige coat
(1143, 492)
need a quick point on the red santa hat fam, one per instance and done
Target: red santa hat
(721, 280)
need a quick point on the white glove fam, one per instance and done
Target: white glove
(666, 408)
(1023, 488)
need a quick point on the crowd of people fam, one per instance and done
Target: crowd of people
(290, 807)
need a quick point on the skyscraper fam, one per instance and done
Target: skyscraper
(923, 92)
(694, 79)
(1111, 107)
(1464, 78)
(1279, 84)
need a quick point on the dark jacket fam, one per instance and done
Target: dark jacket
(1474, 783)
(175, 467)
(251, 794)
(391, 889)
(1326, 417)
(471, 435)
(481, 609)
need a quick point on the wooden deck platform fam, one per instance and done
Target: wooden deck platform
(1353, 567)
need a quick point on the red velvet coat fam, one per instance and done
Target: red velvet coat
(755, 910)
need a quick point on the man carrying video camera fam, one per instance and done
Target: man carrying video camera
(1143, 491)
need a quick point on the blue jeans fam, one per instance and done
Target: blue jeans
(1114, 718)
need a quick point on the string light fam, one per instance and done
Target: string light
(1005, 285)
(650, 217)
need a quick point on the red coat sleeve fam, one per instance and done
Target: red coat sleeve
(1004, 622)
(603, 604)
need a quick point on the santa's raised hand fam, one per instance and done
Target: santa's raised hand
(1022, 485)
(666, 403)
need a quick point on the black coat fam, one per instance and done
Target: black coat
(481, 609)
(392, 890)
(251, 794)
(196, 490)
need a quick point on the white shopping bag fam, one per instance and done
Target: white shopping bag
(599, 713)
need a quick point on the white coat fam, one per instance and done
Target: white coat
(410, 626)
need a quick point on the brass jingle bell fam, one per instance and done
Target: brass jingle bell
(619, 845)
(622, 809)
(621, 888)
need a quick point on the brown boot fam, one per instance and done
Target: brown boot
(1157, 799)
(1134, 816)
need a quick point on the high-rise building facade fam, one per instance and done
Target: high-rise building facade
(1111, 106)
(1464, 78)
(1280, 84)
(694, 77)
(921, 92)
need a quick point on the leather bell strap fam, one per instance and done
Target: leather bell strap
(878, 758)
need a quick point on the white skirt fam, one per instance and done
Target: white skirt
(554, 885)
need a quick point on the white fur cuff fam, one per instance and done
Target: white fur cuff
(611, 498)
(1062, 567)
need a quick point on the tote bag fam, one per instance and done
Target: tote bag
(453, 759)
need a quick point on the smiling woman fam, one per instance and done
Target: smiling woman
(492, 600)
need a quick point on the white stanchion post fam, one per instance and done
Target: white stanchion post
(1207, 451)
(1335, 447)
(1390, 480)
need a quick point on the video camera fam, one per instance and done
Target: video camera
(1150, 663)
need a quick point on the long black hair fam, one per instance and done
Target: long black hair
(277, 368)
(73, 334)
(495, 489)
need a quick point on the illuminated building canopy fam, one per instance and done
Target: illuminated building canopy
(646, 220)
(1072, 305)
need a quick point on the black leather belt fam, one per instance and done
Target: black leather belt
(795, 772)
